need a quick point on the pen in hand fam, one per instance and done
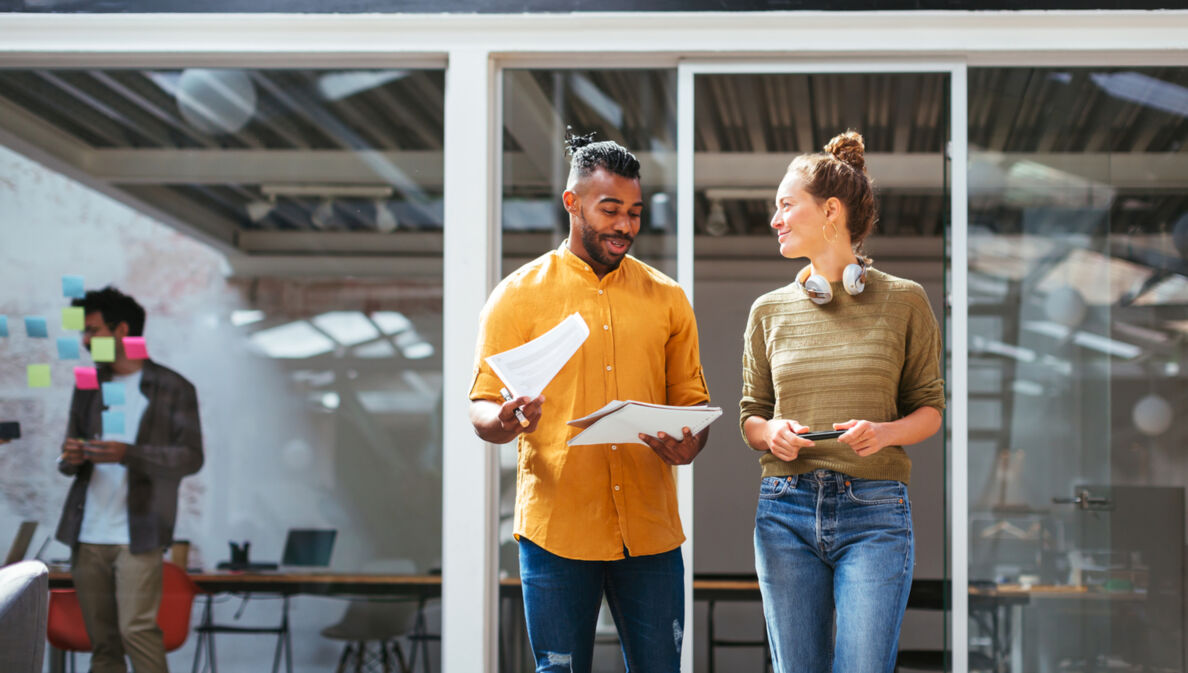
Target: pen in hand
(507, 397)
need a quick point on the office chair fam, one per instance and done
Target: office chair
(66, 631)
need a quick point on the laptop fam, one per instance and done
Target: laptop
(308, 548)
(20, 543)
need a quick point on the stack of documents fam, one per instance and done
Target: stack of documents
(621, 422)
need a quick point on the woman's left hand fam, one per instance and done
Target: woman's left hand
(864, 437)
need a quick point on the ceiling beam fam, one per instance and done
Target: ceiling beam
(46, 144)
(1134, 170)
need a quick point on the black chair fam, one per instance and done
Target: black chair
(207, 629)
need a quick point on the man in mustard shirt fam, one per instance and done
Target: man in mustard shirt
(597, 518)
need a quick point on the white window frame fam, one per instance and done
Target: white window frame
(479, 46)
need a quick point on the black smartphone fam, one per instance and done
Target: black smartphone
(10, 430)
(822, 434)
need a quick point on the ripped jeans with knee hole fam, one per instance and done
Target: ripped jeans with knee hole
(645, 594)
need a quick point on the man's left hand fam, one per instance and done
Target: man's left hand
(672, 450)
(99, 451)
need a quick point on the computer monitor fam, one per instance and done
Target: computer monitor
(308, 547)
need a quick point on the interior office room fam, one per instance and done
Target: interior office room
(312, 208)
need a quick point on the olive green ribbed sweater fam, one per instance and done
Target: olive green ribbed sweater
(875, 356)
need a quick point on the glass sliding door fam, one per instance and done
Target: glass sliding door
(1078, 287)
(742, 126)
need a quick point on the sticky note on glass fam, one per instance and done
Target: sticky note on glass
(73, 318)
(72, 286)
(35, 327)
(86, 378)
(68, 348)
(113, 423)
(103, 349)
(113, 393)
(134, 348)
(39, 376)
(3, 325)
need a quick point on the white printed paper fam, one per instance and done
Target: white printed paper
(527, 369)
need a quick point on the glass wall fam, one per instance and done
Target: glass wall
(283, 231)
(1078, 306)
(636, 108)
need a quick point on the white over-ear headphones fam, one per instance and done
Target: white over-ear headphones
(818, 290)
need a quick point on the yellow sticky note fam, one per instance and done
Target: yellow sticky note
(73, 318)
(103, 349)
(39, 376)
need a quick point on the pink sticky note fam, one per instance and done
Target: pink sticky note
(134, 348)
(86, 378)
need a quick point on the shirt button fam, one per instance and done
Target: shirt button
(600, 292)
(616, 487)
(614, 447)
(606, 327)
(608, 368)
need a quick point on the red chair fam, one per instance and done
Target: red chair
(66, 631)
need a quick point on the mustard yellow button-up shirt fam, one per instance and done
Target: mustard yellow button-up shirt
(588, 502)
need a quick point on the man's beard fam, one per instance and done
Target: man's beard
(591, 241)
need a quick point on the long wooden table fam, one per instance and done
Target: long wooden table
(710, 588)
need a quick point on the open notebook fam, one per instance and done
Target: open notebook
(621, 422)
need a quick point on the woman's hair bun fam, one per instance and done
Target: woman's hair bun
(573, 142)
(849, 147)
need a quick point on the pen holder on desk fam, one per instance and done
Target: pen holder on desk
(239, 553)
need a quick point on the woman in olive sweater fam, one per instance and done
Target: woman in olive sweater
(843, 347)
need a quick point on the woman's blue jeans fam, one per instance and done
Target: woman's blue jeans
(646, 596)
(829, 546)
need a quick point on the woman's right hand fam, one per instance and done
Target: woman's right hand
(781, 438)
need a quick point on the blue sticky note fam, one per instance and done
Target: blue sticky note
(68, 348)
(72, 286)
(35, 327)
(3, 325)
(113, 393)
(113, 423)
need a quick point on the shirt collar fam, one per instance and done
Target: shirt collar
(582, 266)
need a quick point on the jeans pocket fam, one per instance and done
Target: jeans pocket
(876, 491)
(772, 488)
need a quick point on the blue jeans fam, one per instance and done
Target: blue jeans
(831, 546)
(646, 595)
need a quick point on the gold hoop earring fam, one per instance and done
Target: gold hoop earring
(829, 239)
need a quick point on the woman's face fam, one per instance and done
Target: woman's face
(798, 219)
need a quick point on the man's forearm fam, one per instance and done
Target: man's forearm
(484, 416)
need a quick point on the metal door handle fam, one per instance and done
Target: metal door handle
(1084, 500)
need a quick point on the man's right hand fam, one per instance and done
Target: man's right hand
(72, 452)
(497, 422)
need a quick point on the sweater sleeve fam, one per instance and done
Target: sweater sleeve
(758, 393)
(921, 384)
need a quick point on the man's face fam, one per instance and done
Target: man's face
(93, 326)
(605, 210)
